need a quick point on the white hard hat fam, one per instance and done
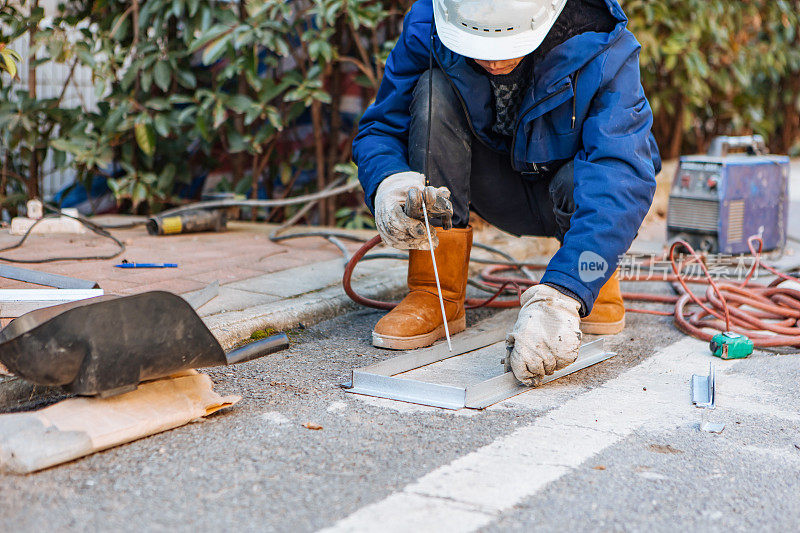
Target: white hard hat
(494, 29)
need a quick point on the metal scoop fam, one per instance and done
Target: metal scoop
(108, 345)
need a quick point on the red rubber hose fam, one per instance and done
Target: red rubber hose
(769, 315)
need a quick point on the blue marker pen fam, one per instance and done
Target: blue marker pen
(125, 264)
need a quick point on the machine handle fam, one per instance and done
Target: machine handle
(257, 349)
(720, 146)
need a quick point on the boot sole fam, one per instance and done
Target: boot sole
(603, 328)
(392, 342)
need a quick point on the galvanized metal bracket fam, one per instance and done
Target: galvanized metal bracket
(703, 389)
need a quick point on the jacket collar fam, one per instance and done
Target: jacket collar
(576, 52)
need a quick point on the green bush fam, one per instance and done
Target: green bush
(708, 66)
(716, 67)
(156, 106)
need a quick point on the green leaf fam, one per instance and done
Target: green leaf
(65, 145)
(163, 75)
(220, 115)
(161, 125)
(145, 138)
(138, 194)
(147, 80)
(216, 50)
(187, 79)
(167, 177)
(240, 103)
(202, 127)
(8, 64)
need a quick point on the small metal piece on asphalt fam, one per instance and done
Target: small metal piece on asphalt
(703, 389)
(710, 427)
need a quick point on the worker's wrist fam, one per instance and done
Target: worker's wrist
(563, 290)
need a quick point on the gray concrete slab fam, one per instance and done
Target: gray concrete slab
(294, 281)
(231, 299)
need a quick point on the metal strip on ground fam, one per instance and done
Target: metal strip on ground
(408, 390)
(489, 392)
(485, 333)
(200, 298)
(45, 278)
(477, 396)
(16, 302)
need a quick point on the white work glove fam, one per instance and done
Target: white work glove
(547, 334)
(395, 227)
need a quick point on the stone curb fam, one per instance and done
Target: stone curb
(306, 309)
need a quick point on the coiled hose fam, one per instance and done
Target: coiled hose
(769, 315)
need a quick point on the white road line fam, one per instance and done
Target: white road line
(474, 490)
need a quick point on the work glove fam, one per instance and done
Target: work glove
(546, 336)
(395, 227)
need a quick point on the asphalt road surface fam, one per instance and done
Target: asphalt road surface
(613, 447)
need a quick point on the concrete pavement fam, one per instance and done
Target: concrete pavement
(590, 451)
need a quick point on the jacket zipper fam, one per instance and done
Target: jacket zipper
(519, 119)
(574, 97)
(519, 116)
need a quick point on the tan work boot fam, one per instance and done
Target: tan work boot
(417, 320)
(608, 314)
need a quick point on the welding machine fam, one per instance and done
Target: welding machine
(718, 200)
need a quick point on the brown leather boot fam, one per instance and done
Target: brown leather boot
(608, 314)
(417, 321)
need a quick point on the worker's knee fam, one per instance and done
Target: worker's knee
(445, 108)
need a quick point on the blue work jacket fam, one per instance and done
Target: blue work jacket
(585, 103)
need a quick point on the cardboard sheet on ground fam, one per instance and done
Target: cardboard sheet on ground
(78, 427)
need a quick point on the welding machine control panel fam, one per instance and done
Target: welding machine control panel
(700, 180)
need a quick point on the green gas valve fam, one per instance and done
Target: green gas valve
(730, 345)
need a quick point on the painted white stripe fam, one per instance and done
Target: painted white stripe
(474, 490)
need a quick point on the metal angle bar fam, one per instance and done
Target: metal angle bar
(411, 360)
(45, 278)
(407, 390)
(703, 395)
(494, 329)
(491, 391)
(477, 396)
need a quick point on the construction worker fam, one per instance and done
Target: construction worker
(532, 113)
